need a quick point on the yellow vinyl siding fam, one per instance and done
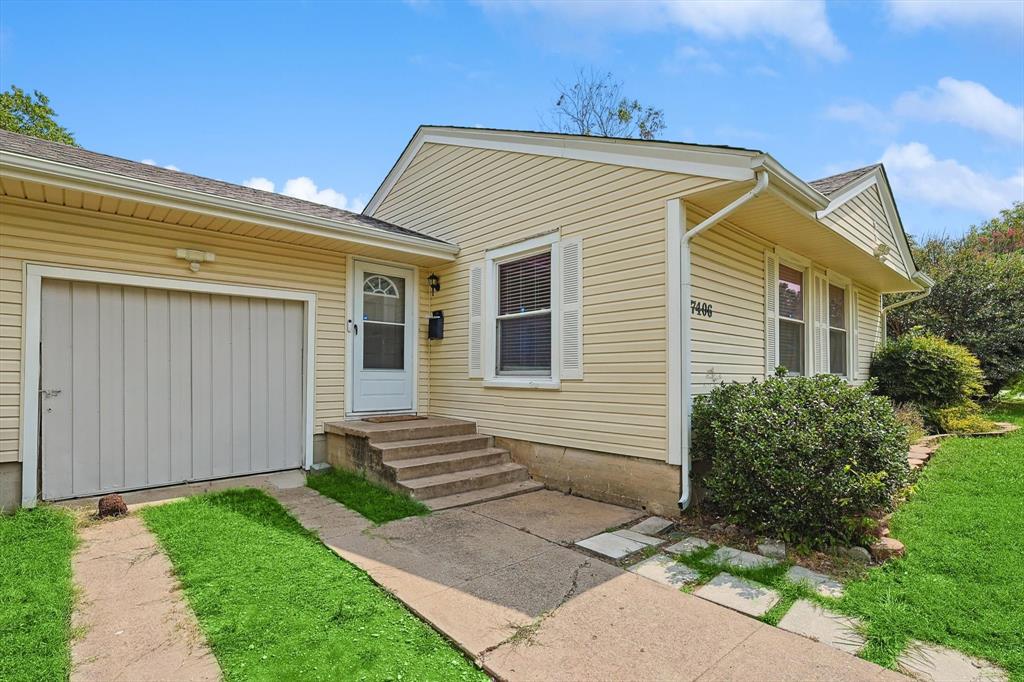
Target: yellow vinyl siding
(862, 219)
(57, 235)
(728, 273)
(869, 330)
(483, 199)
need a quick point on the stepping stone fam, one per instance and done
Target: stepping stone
(687, 546)
(820, 583)
(611, 545)
(772, 548)
(651, 526)
(663, 569)
(639, 537)
(934, 663)
(810, 620)
(739, 594)
(737, 558)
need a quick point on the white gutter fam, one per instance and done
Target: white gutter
(687, 289)
(922, 279)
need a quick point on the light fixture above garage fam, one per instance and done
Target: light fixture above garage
(195, 258)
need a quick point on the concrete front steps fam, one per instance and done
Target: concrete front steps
(443, 462)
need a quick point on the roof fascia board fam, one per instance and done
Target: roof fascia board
(34, 169)
(673, 158)
(791, 183)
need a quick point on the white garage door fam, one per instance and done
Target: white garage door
(148, 387)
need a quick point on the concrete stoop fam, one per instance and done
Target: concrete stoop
(443, 462)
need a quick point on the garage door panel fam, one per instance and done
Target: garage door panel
(136, 439)
(241, 396)
(293, 389)
(112, 389)
(258, 390)
(276, 381)
(180, 367)
(56, 376)
(158, 386)
(220, 385)
(161, 387)
(202, 373)
(85, 387)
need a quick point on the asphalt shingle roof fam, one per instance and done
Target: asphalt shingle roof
(833, 183)
(83, 158)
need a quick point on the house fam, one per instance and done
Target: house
(160, 327)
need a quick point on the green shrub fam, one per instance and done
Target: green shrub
(802, 458)
(960, 419)
(911, 417)
(926, 370)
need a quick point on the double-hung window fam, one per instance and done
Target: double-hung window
(792, 325)
(523, 319)
(837, 333)
(526, 313)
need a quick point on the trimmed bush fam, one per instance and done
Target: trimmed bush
(961, 419)
(926, 370)
(802, 458)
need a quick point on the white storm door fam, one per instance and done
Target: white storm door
(383, 337)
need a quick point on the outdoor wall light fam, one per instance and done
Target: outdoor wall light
(195, 258)
(434, 281)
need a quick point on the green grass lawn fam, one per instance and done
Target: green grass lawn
(962, 581)
(36, 594)
(373, 501)
(275, 604)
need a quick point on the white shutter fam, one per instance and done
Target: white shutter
(476, 321)
(570, 306)
(771, 313)
(819, 304)
(854, 331)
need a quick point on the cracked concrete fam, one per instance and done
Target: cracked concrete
(497, 580)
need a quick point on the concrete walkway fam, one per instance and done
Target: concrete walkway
(132, 617)
(499, 580)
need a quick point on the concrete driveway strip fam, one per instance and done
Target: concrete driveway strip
(134, 621)
(528, 608)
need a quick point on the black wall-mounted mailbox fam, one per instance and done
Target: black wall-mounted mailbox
(435, 326)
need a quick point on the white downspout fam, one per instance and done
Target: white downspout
(920, 279)
(687, 288)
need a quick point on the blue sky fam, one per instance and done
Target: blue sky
(326, 95)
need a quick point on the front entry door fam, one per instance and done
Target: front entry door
(383, 333)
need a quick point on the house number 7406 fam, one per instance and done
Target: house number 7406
(701, 308)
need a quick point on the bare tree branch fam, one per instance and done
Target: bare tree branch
(594, 105)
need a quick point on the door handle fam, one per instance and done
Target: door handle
(353, 327)
(49, 392)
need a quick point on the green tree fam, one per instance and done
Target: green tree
(595, 105)
(28, 114)
(978, 298)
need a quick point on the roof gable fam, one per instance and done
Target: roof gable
(869, 183)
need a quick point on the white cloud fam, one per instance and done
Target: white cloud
(965, 103)
(260, 183)
(303, 187)
(151, 162)
(802, 23)
(862, 114)
(918, 14)
(687, 57)
(915, 171)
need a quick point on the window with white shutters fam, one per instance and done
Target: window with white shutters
(531, 297)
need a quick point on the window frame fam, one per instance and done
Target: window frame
(846, 284)
(802, 265)
(493, 258)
